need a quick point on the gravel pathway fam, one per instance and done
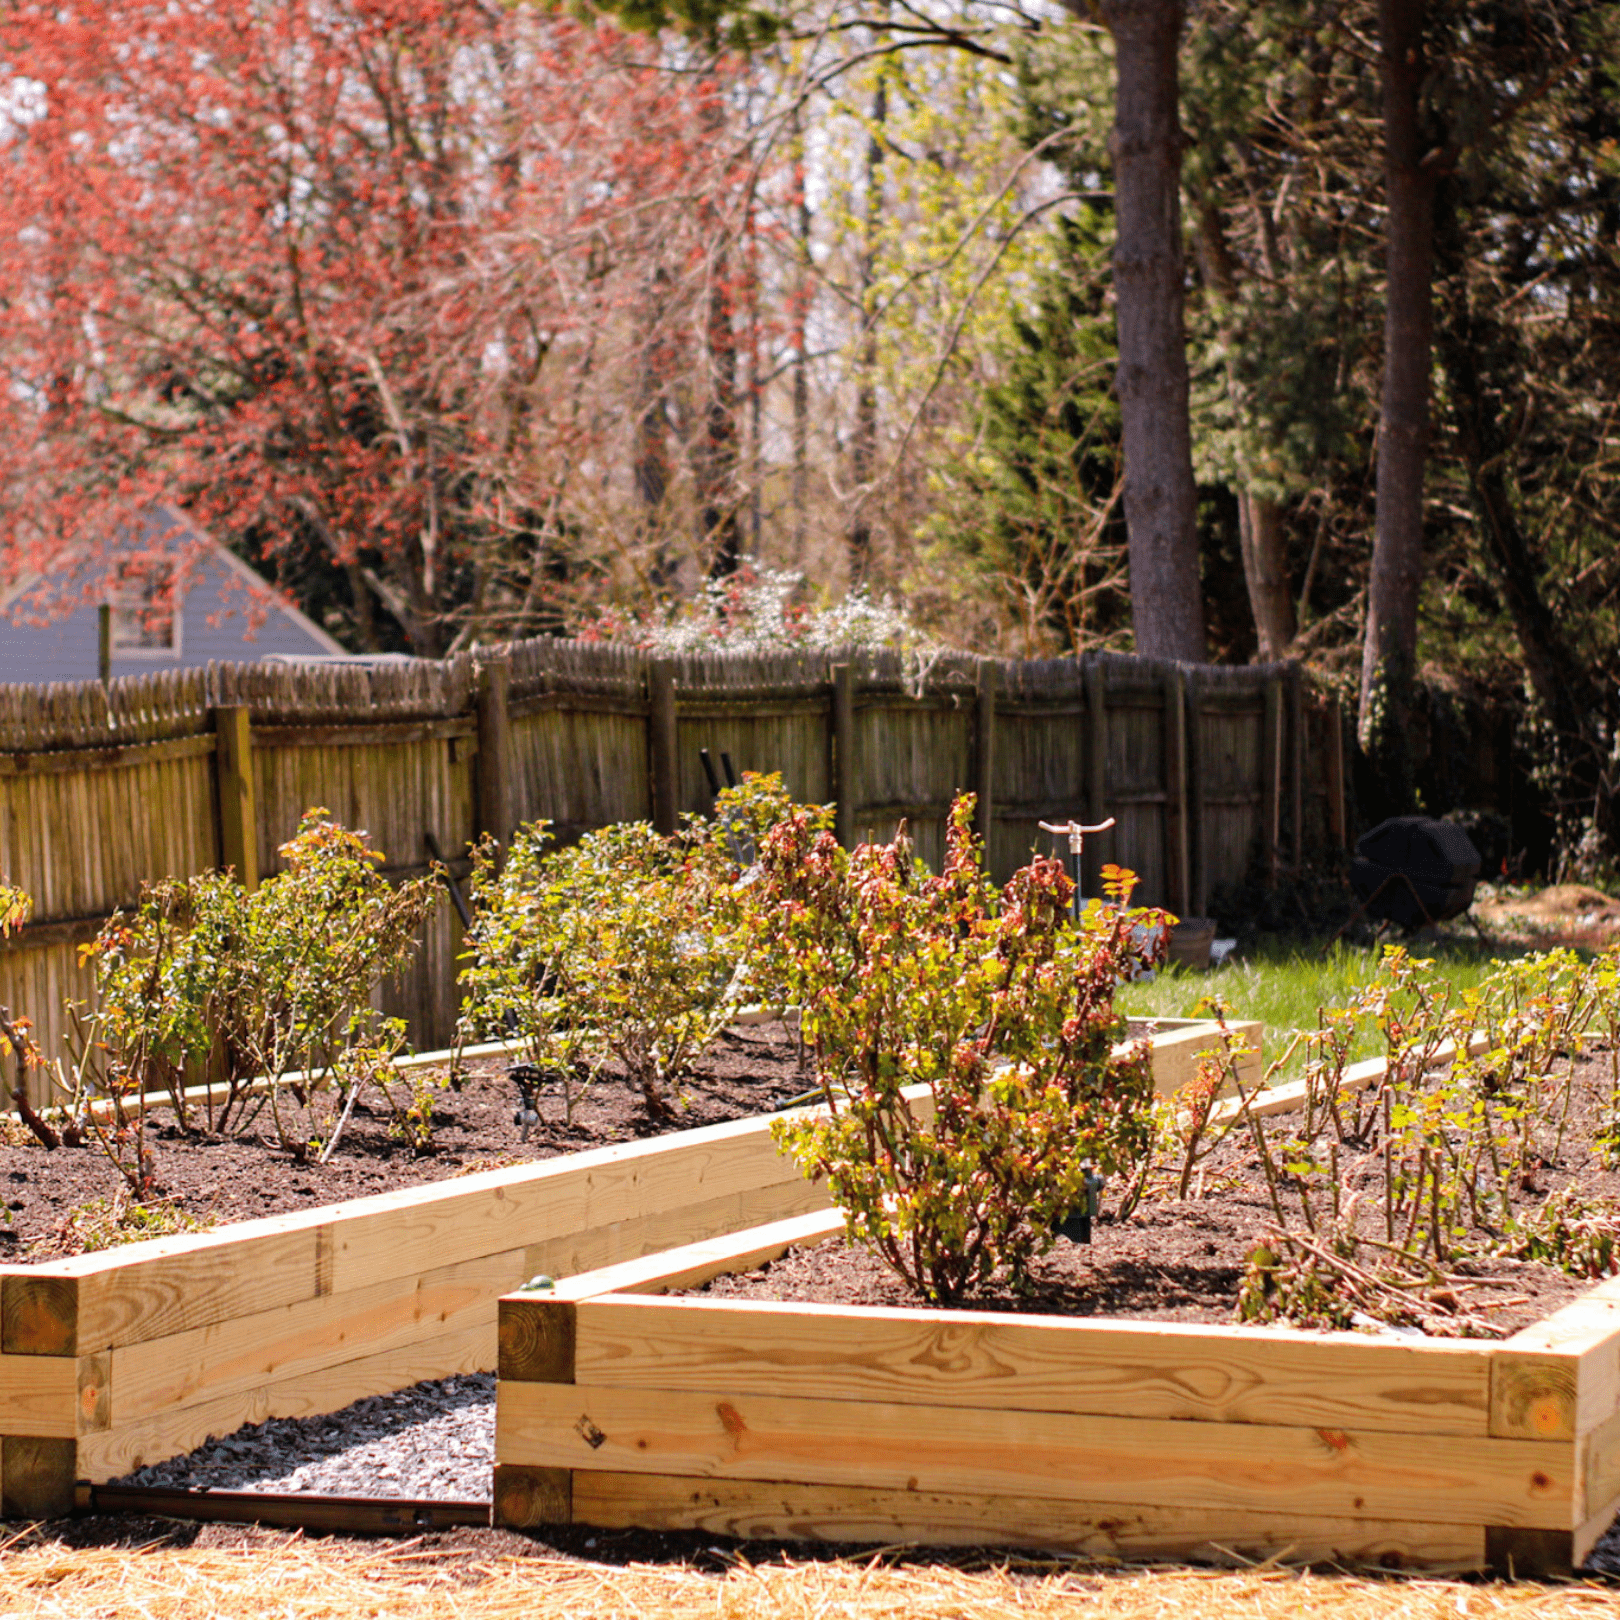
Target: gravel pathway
(434, 1440)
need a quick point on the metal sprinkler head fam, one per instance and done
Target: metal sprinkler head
(527, 1078)
(1076, 835)
(1076, 1225)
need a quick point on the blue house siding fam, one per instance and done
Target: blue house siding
(215, 614)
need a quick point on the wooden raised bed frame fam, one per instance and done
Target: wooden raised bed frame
(137, 1354)
(620, 1408)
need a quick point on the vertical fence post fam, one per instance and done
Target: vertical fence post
(238, 803)
(1271, 778)
(843, 740)
(494, 768)
(1296, 765)
(664, 766)
(1177, 880)
(1096, 767)
(1197, 876)
(984, 753)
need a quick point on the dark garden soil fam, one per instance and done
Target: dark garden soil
(1182, 1260)
(750, 1070)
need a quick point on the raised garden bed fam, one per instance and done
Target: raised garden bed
(135, 1354)
(624, 1404)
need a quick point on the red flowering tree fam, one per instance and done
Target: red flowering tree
(384, 291)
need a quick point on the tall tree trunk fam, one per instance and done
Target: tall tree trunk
(1389, 653)
(1260, 526)
(1161, 514)
(863, 448)
(1265, 567)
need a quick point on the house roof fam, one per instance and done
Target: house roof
(164, 521)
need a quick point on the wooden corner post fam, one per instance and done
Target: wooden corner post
(984, 753)
(843, 753)
(238, 803)
(536, 1339)
(39, 1318)
(662, 758)
(494, 763)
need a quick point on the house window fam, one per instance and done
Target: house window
(143, 616)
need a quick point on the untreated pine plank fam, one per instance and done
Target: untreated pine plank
(771, 1511)
(181, 1283)
(246, 1352)
(693, 1264)
(129, 1445)
(1322, 1471)
(38, 1395)
(571, 1254)
(416, 1229)
(1192, 1373)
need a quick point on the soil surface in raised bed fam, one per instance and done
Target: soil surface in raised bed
(749, 1070)
(1182, 1260)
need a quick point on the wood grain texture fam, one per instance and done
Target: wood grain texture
(693, 1264)
(527, 1498)
(536, 1338)
(1327, 1472)
(247, 1352)
(36, 1477)
(38, 1396)
(39, 1313)
(1534, 1397)
(396, 1234)
(575, 1253)
(1597, 1462)
(1105, 1530)
(1033, 1364)
(175, 1284)
(129, 1445)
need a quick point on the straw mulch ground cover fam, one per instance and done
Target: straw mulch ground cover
(285, 1578)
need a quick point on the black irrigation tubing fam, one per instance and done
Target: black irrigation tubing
(357, 1515)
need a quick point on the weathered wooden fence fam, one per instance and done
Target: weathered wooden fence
(1216, 775)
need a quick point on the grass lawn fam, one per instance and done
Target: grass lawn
(1284, 986)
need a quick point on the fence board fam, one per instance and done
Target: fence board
(102, 788)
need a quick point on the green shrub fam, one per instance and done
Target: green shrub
(205, 980)
(996, 1002)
